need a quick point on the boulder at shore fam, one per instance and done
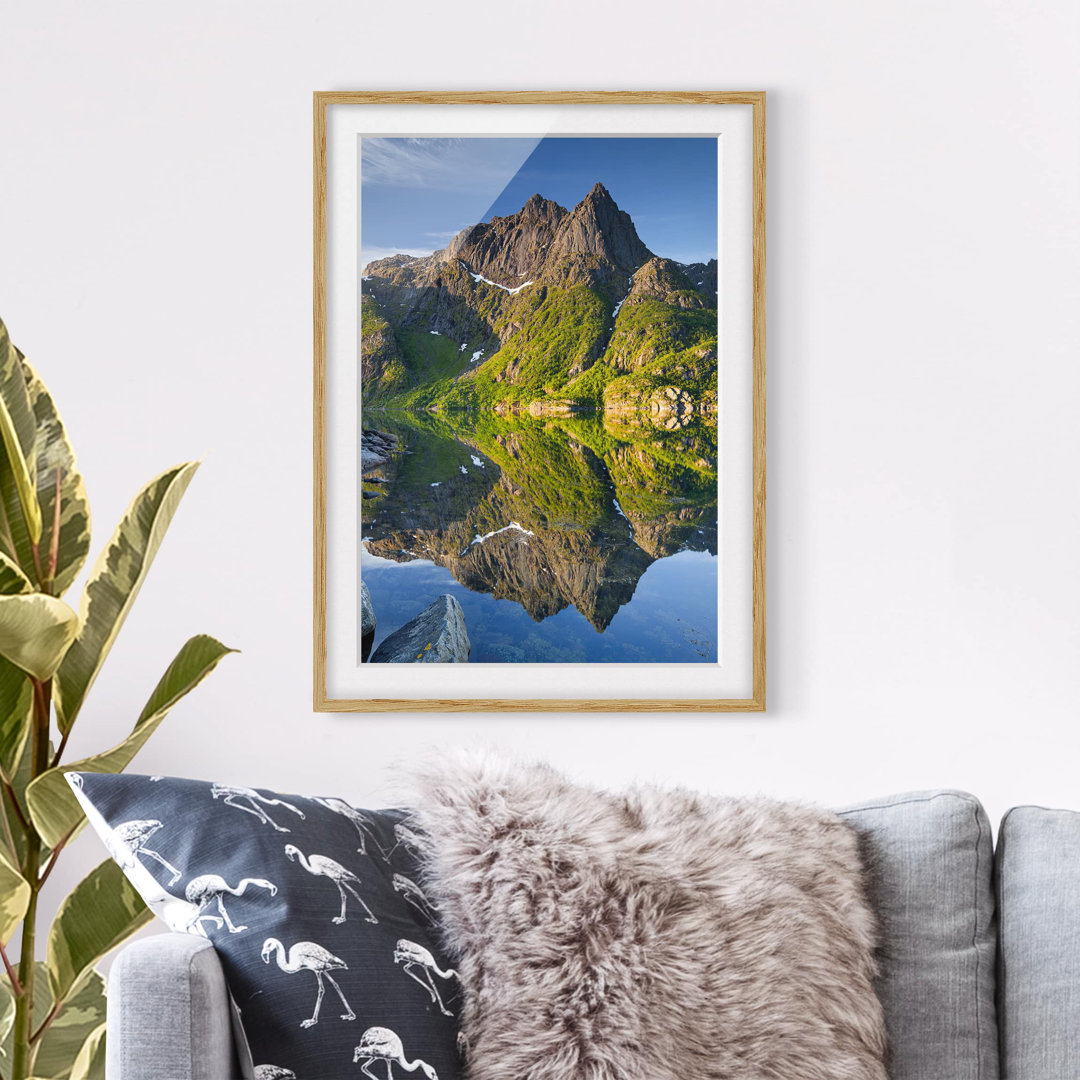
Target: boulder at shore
(367, 612)
(376, 449)
(367, 622)
(436, 636)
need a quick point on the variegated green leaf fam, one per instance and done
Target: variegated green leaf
(14, 537)
(90, 1064)
(55, 810)
(198, 656)
(50, 453)
(12, 823)
(114, 583)
(79, 1017)
(19, 469)
(17, 432)
(11, 827)
(36, 631)
(14, 896)
(14, 395)
(42, 1005)
(7, 1013)
(12, 579)
(14, 534)
(16, 699)
(101, 911)
(55, 455)
(13, 838)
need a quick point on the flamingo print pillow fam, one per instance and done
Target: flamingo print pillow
(328, 942)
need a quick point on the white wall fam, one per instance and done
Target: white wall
(924, 515)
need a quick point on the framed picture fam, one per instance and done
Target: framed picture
(540, 401)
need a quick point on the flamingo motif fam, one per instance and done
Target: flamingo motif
(410, 955)
(406, 838)
(363, 824)
(183, 917)
(207, 888)
(381, 1044)
(413, 894)
(322, 866)
(273, 1072)
(128, 840)
(254, 798)
(307, 956)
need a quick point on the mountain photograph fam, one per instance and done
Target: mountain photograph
(539, 394)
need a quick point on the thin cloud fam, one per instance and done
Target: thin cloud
(407, 162)
(449, 164)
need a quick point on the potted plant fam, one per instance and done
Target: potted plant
(52, 1012)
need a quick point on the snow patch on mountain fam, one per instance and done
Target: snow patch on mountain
(488, 281)
(506, 528)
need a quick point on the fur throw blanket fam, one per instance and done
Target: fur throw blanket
(655, 935)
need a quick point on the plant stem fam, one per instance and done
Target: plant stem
(16, 986)
(52, 858)
(15, 804)
(60, 749)
(46, 1022)
(22, 1058)
(24, 1004)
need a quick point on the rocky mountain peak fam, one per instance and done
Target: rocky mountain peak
(595, 245)
(597, 227)
(511, 248)
(668, 281)
(539, 207)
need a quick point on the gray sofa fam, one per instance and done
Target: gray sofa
(980, 957)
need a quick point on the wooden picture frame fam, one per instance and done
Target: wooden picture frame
(751, 701)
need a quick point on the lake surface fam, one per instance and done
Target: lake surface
(583, 539)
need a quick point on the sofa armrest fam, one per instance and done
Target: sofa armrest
(169, 1014)
(1038, 883)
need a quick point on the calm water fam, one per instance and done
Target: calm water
(566, 540)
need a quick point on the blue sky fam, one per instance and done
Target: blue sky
(418, 192)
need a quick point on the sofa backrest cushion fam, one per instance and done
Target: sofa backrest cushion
(930, 861)
(1038, 883)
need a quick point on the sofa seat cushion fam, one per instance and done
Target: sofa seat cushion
(929, 858)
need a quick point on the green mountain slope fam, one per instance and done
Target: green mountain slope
(598, 498)
(545, 311)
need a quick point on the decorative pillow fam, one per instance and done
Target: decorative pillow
(656, 935)
(325, 936)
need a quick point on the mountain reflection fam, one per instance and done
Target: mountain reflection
(545, 512)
